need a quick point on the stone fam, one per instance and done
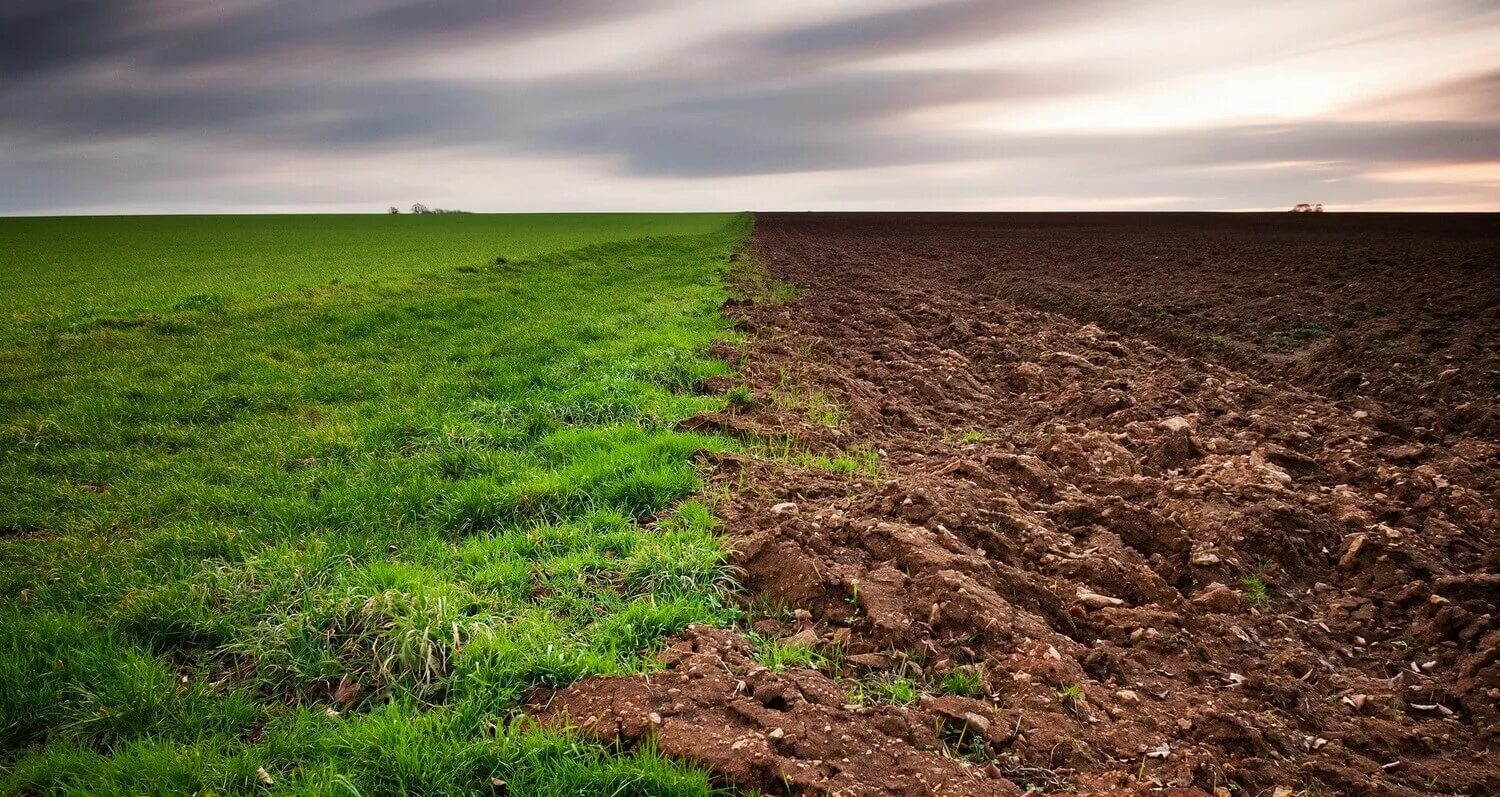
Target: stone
(1095, 600)
(1218, 598)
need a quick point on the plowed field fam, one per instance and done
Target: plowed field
(1191, 505)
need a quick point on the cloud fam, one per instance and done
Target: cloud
(817, 98)
(1472, 96)
(658, 122)
(41, 35)
(923, 27)
(38, 36)
(295, 28)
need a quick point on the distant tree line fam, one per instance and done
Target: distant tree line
(421, 209)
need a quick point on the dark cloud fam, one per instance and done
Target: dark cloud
(704, 148)
(308, 117)
(42, 35)
(797, 125)
(337, 79)
(39, 35)
(659, 126)
(852, 40)
(374, 30)
(659, 123)
(922, 27)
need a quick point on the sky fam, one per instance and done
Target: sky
(180, 106)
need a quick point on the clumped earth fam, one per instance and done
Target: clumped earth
(995, 549)
(1404, 309)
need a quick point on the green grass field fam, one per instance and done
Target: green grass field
(109, 264)
(323, 497)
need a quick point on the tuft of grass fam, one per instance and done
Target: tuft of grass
(739, 396)
(752, 280)
(1257, 593)
(899, 690)
(964, 682)
(822, 410)
(778, 657)
(972, 436)
(200, 301)
(817, 407)
(335, 534)
(860, 461)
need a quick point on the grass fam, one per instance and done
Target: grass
(905, 685)
(1257, 587)
(899, 690)
(1257, 592)
(753, 280)
(779, 657)
(739, 396)
(963, 682)
(856, 462)
(337, 533)
(817, 407)
(139, 263)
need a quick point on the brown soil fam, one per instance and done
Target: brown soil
(1169, 576)
(1400, 308)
